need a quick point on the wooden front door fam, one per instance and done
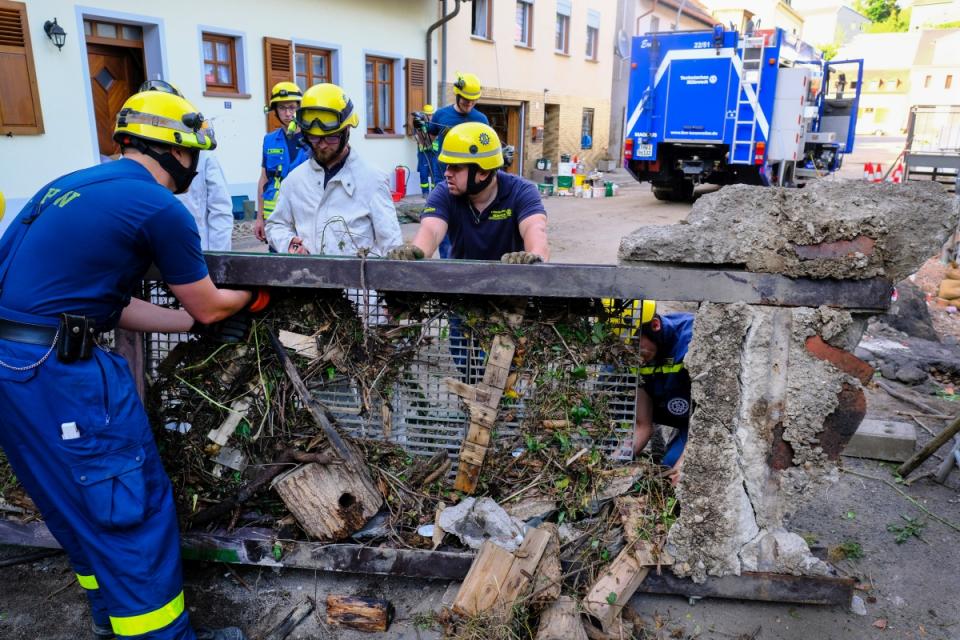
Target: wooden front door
(505, 120)
(115, 74)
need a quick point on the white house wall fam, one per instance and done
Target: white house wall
(390, 28)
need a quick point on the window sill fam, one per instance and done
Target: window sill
(593, 60)
(384, 135)
(226, 94)
(481, 39)
(561, 53)
(520, 45)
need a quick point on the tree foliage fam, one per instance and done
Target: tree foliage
(877, 10)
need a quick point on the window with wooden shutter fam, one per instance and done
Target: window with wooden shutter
(19, 96)
(416, 71)
(278, 67)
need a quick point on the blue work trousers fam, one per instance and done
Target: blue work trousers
(428, 169)
(79, 441)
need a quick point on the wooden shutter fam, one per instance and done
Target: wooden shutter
(416, 77)
(278, 67)
(19, 96)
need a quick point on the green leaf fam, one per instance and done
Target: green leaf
(562, 483)
(277, 552)
(579, 373)
(612, 598)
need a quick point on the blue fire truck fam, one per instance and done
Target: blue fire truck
(720, 107)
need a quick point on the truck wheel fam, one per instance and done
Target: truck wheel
(683, 191)
(663, 193)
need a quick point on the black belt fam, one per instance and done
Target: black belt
(26, 332)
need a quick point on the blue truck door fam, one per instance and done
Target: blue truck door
(696, 99)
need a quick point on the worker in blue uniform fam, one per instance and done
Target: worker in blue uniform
(283, 151)
(71, 423)
(664, 398)
(466, 93)
(427, 149)
(487, 213)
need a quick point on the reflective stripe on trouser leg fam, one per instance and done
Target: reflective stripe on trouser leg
(150, 621)
(88, 582)
(123, 528)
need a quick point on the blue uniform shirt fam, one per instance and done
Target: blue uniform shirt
(92, 243)
(445, 118)
(668, 382)
(493, 232)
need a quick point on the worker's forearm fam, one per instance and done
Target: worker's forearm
(426, 238)
(642, 431)
(140, 315)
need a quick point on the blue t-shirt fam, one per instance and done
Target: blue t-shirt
(445, 118)
(493, 232)
(91, 245)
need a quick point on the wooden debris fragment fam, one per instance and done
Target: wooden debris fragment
(362, 614)
(613, 589)
(549, 576)
(561, 621)
(329, 501)
(305, 346)
(483, 413)
(238, 410)
(498, 578)
(291, 621)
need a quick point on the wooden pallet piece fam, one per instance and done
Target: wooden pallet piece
(482, 402)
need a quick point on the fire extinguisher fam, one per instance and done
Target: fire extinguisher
(401, 174)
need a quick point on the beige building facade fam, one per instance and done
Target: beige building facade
(764, 14)
(545, 67)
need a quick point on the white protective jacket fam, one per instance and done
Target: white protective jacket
(354, 212)
(209, 201)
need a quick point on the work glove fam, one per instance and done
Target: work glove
(230, 330)
(406, 251)
(520, 257)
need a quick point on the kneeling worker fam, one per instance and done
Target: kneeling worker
(665, 396)
(488, 214)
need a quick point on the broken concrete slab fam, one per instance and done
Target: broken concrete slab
(829, 229)
(776, 401)
(883, 440)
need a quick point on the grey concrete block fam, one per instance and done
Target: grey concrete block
(883, 440)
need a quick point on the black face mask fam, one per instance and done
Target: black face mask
(473, 186)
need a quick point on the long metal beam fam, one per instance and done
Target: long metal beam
(657, 282)
(260, 548)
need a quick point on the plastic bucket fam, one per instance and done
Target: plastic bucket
(608, 189)
(565, 182)
(578, 180)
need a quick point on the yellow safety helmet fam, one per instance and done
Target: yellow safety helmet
(158, 116)
(284, 92)
(472, 143)
(467, 86)
(629, 316)
(428, 109)
(3, 205)
(325, 110)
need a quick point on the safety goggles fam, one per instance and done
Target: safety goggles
(188, 123)
(323, 118)
(330, 140)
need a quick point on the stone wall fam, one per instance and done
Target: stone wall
(777, 392)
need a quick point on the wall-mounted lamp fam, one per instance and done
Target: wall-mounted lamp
(55, 32)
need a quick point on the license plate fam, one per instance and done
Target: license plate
(644, 150)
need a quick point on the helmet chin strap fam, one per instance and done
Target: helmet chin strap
(182, 176)
(474, 187)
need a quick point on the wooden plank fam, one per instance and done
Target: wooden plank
(553, 280)
(561, 621)
(481, 414)
(526, 560)
(484, 581)
(613, 589)
(305, 346)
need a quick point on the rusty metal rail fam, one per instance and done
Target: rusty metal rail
(468, 277)
(254, 547)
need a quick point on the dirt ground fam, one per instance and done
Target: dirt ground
(909, 590)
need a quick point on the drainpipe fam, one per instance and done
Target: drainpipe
(683, 3)
(442, 98)
(441, 22)
(636, 29)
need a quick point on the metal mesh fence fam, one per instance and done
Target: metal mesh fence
(425, 416)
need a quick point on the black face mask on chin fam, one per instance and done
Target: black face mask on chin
(182, 176)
